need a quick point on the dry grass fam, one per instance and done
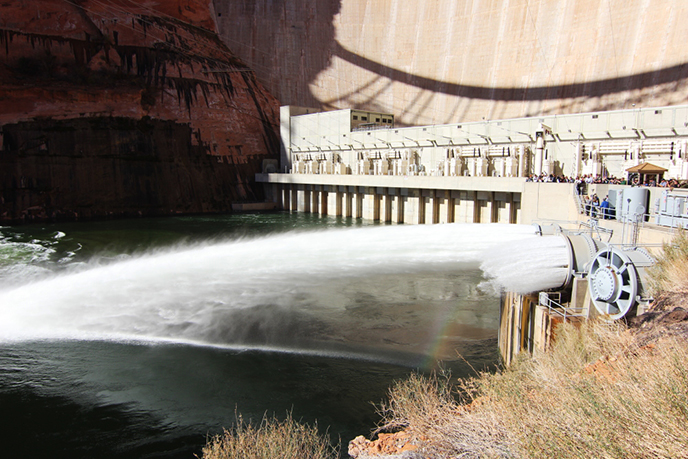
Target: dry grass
(272, 439)
(600, 391)
(669, 275)
(595, 394)
(427, 408)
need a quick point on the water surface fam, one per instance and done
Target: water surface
(138, 338)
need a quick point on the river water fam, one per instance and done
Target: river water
(138, 338)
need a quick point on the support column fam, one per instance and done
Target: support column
(315, 199)
(445, 206)
(485, 207)
(323, 201)
(508, 213)
(286, 197)
(349, 198)
(303, 199)
(516, 208)
(397, 206)
(457, 206)
(358, 202)
(294, 198)
(412, 207)
(502, 204)
(386, 201)
(466, 207)
(339, 193)
(380, 193)
(428, 205)
(332, 195)
(371, 204)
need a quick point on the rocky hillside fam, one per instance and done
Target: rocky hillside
(117, 107)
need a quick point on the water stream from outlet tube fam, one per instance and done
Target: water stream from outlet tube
(254, 291)
(169, 340)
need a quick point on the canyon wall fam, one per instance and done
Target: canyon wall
(450, 61)
(125, 108)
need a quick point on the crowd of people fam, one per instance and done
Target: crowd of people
(592, 204)
(589, 179)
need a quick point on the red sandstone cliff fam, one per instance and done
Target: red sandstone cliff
(125, 107)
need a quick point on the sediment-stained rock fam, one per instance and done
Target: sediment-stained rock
(399, 445)
(125, 108)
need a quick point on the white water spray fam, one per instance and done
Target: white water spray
(527, 266)
(200, 294)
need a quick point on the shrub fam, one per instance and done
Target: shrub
(273, 438)
(427, 409)
(597, 394)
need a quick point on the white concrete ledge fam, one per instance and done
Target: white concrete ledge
(498, 184)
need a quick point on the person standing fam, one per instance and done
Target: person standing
(605, 208)
(594, 206)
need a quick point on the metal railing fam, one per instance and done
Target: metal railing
(595, 230)
(370, 127)
(555, 308)
(579, 202)
(632, 224)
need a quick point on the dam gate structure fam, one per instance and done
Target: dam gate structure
(603, 281)
(480, 172)
(483, 173)
(400, 201)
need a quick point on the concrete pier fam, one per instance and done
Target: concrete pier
(528, 325)
(430, 200)
(416, 200)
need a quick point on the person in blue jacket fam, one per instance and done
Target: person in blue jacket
(604, 206)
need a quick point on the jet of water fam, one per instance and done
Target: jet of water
(205, 293)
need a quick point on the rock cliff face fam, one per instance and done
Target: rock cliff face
(117, 107)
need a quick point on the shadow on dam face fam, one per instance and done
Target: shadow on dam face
(289, 44)
(286, 43)
(595, 88)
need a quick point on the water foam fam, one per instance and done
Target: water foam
(200, 293)
(527, 266)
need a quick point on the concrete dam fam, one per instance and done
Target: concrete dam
(449, 68)
(437, 112)
(458, 61)
(149, 334)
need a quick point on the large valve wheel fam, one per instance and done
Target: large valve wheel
(613, 283)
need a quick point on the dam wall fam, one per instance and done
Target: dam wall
(458, 61)
(415, 200)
